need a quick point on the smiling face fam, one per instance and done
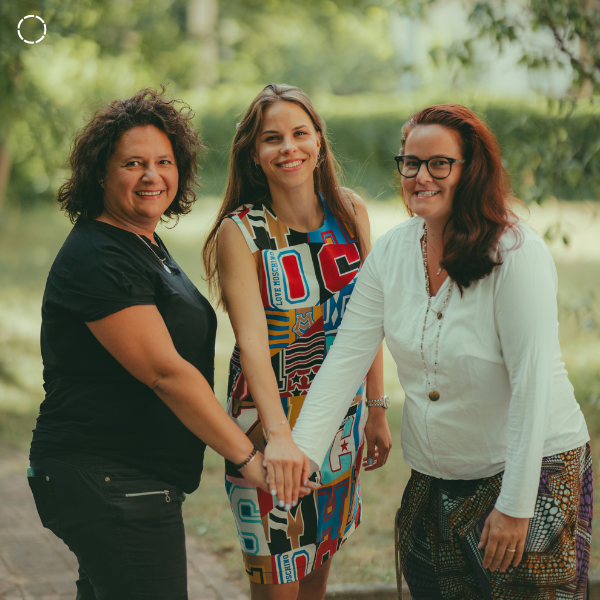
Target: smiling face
(428, 197)
(287, 147)
(141, 177)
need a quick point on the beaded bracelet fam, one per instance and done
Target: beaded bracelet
(250, 458)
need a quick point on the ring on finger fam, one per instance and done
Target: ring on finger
(511, 550)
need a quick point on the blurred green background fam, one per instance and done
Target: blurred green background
(531, 68)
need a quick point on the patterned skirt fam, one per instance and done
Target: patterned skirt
(439, 525)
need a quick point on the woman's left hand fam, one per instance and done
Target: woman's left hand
(256, 473)
(379, 439)
(503, 538)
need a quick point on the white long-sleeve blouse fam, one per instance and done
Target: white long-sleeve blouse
(505, 397)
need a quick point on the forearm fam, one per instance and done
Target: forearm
(260, 377)
(375, 389)
(375, 377)
(138, 339)
(348, 361)
(286, 464)
(187, 393)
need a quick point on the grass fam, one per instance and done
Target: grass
(30, 240)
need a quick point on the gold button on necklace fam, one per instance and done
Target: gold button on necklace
(434, 394)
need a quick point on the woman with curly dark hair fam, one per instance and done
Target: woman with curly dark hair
(128, 350)
(499, 503)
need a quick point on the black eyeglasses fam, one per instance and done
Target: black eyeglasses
(439, 167)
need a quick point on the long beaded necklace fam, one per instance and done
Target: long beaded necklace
(434, 395)
(161, 260)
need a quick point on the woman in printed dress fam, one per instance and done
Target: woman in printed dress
(286, 248)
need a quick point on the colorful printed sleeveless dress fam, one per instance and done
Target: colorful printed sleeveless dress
(305, 280)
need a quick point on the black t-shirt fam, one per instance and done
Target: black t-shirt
(92, 404)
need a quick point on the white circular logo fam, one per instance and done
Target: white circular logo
(31, 17)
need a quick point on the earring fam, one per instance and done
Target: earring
(257, 166)
(102, 184)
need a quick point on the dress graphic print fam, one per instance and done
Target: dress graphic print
(305, 280)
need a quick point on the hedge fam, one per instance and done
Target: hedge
(549, 148)
(548, 151)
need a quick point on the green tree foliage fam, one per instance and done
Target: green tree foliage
(547, 153)
(567, 150)
(320, 46)
(93, 49)
(109, 48)
(574, 26)
(211, 51)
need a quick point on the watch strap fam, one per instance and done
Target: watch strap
(384, 402)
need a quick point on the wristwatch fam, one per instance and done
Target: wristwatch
(384, 402)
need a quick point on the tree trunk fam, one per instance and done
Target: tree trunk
(5, 161)
(201, 22)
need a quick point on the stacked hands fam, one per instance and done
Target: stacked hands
(285, 471)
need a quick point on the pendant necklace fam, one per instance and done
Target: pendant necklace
(440, 268)
(160, 260)
(433, 394)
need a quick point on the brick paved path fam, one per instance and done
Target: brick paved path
(36, 565)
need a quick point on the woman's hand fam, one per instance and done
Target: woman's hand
(379, 439)
(503, 538)
(288, 468)
(256, 473)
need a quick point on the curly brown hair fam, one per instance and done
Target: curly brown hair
(81, 195)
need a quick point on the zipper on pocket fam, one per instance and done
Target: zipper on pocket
(165, 492)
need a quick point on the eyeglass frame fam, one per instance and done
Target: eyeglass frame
(399, 158)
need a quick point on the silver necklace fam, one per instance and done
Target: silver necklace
(160, 260)
(434, 394)
(439, 261)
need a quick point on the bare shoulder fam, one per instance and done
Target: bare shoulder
(359, 209)
(353, 198)
(233, 253)
(229, 233)
(357, 203)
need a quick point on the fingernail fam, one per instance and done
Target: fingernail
(273, 492)
(286, 507)
(370, 461)
(305, 482)
(281, 504)
(307, 489)
(294, 503)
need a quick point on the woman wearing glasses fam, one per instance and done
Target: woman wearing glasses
(499, 503)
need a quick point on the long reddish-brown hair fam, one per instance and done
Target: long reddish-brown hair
(480, 207)
(248, 185)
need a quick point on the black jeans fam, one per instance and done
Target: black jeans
(124, 526)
